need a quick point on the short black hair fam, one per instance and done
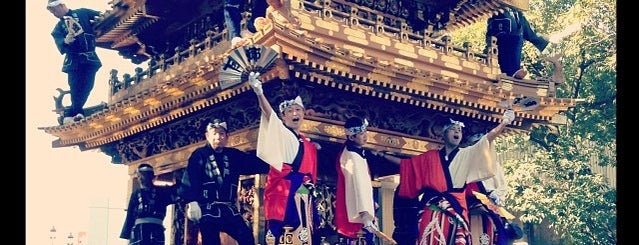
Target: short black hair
(145, 165)
(354, 122)
(216, 123)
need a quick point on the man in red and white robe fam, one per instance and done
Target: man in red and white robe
(354, 204)
(440, 177)
(293, 158)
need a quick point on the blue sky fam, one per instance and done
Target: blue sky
(61, 183)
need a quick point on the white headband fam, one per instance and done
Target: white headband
(453, 122)
(216, 125)
(54, 3)
(356, 130)
(289, 103)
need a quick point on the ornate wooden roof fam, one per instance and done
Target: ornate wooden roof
(401, 81)
(140, 29)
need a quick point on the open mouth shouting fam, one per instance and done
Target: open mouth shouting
(457, 135)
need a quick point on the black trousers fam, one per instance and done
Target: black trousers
(511, 44)
(224, 218)
(258, 9)
(81, 81)
(147, 234)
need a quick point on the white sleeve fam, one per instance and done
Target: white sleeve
(276, 144)
(497, 183)
(473, 163)
(358, 186)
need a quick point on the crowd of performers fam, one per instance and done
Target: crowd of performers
(451, 195)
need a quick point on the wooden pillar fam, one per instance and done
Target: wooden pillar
(191, 233)
(386, 192)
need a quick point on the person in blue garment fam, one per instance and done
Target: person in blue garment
(146, 211)
(233, 17)
(209, 186)
(75, 38)
(511, 28)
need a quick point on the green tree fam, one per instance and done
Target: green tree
(551, 184)
(556, 186)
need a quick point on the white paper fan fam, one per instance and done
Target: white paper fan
(73, 27)
(243, 60)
